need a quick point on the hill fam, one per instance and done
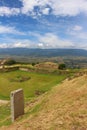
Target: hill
(42, 52)
(62, 108)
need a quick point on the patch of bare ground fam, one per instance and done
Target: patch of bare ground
(63, 108)
(3, 102)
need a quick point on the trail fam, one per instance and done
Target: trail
(3, 102)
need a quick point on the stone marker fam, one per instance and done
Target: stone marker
(17, 104)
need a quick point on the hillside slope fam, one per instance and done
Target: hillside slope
(62, 108)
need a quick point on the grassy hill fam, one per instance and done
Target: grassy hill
(47, 66)
(62, 108)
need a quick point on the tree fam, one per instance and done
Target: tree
(33, 64)
(10, 62)
(62, 66)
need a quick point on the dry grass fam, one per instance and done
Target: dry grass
(47, 66)
(3, 102)
(63, 108)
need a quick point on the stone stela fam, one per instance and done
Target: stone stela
(17, 104)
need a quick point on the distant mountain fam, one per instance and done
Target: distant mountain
(42, 52)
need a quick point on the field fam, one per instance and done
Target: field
(33, 84)
(61, 108)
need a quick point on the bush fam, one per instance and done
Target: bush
(33, 64)
(10, 62)
(61, 66)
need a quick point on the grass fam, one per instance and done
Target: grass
(37, 82)
(5, 118)
(64, 107)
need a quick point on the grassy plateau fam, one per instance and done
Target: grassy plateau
(33, 84)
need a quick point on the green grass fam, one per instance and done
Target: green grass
(37, 82)
(5, 118)
(44, 82)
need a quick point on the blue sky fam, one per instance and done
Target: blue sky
(43, 23)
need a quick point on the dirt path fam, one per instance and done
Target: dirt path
(3, 102)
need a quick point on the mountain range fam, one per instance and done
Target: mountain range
(42, 52)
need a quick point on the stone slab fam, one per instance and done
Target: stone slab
(17, 104)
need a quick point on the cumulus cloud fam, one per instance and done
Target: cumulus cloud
(21, 44)
(69, 7)
(9, 30)
(46, 11)
(40, 45)
(46, 7)
(58, 7)
(7, 11)
(50, 40)
(4, 45)
(16, 44)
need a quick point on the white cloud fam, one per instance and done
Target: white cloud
(77, 32)
(46, 11)
(69, 7)
(40, 45)
(80, 35)
(4, 45)
(77, 28)
(7, 11)
(58, 7)
(21, 44)
(50, 40)
(8, 29)
(16, 44)
(28, 5)
(46, 7)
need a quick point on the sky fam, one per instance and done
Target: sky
(43, 24)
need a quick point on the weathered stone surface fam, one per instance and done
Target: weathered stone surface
(17, 104)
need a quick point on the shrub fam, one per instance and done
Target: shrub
(10, 62)
(62, 66)
(33, 64)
